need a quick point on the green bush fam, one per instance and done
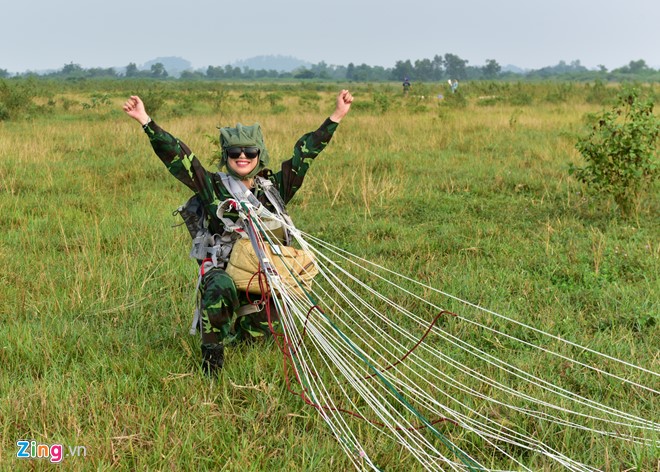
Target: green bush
(274, 98)
(382, 101)
(278, 109)
(4, 113)
(455, 100)
(16, 98)
(620, 150)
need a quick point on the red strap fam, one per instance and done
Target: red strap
(201, 268)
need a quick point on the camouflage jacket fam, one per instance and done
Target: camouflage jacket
(186, 167)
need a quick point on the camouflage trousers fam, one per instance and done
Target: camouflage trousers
(220, 302)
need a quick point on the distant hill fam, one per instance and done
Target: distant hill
(173, 65)
(514, 69)
(278, 63)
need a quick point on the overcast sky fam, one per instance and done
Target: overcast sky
(45, 34)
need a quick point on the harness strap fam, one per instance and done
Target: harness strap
(207, 264)
(238, 190)
(275, 199)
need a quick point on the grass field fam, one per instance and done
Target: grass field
(469, 194)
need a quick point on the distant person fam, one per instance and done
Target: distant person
(406, 86)
(244, 157)
(453, 85)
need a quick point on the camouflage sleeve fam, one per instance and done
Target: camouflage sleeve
(181, 162)
(290, 178)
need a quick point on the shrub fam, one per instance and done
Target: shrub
(4, 113)
(620, 150)
(455, 100)
(16, 98)
(97, 100)
(274, 98)
(382, 101)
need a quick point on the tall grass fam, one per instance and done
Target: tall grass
(473, 198)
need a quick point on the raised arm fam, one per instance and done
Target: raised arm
(175, 154)
(290, 178)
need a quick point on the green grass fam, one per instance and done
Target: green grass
(97, 290)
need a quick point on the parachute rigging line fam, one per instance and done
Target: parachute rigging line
(366, 343)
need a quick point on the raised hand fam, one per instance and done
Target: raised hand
(135, 109)
(344, 100)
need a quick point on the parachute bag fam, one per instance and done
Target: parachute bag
(295, 267)
(193, 215)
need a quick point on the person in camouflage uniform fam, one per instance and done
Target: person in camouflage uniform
(244, 156)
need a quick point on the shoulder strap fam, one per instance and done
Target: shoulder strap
(238, 190)
(272, 193)
(274, 197)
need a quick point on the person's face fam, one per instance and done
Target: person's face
(243, 160)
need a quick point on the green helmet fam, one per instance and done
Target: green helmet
(244, 136)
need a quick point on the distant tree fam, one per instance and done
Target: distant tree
(131, 70)
(191, 75)
(350, 71)
(634, 67)
(403, 69)
(576, 66)
(474, 72)
(321, 70)
(232, 72)
(424, 70)
(380, 73)
(491, 70)
(455, 67)
(363, 73)
(304, 73)
(438, 71)
(158, 71)
(248, 73)
(213, 72)
(97, 72)
(561, 68)
(4, 73)
(72, 70)
(338, 72)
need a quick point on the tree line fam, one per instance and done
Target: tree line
(440, 68)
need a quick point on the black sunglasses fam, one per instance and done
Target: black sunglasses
(250, 152)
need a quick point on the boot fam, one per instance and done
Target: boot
(213, 356)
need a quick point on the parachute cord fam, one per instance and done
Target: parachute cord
(428, 330)
(287, 360)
